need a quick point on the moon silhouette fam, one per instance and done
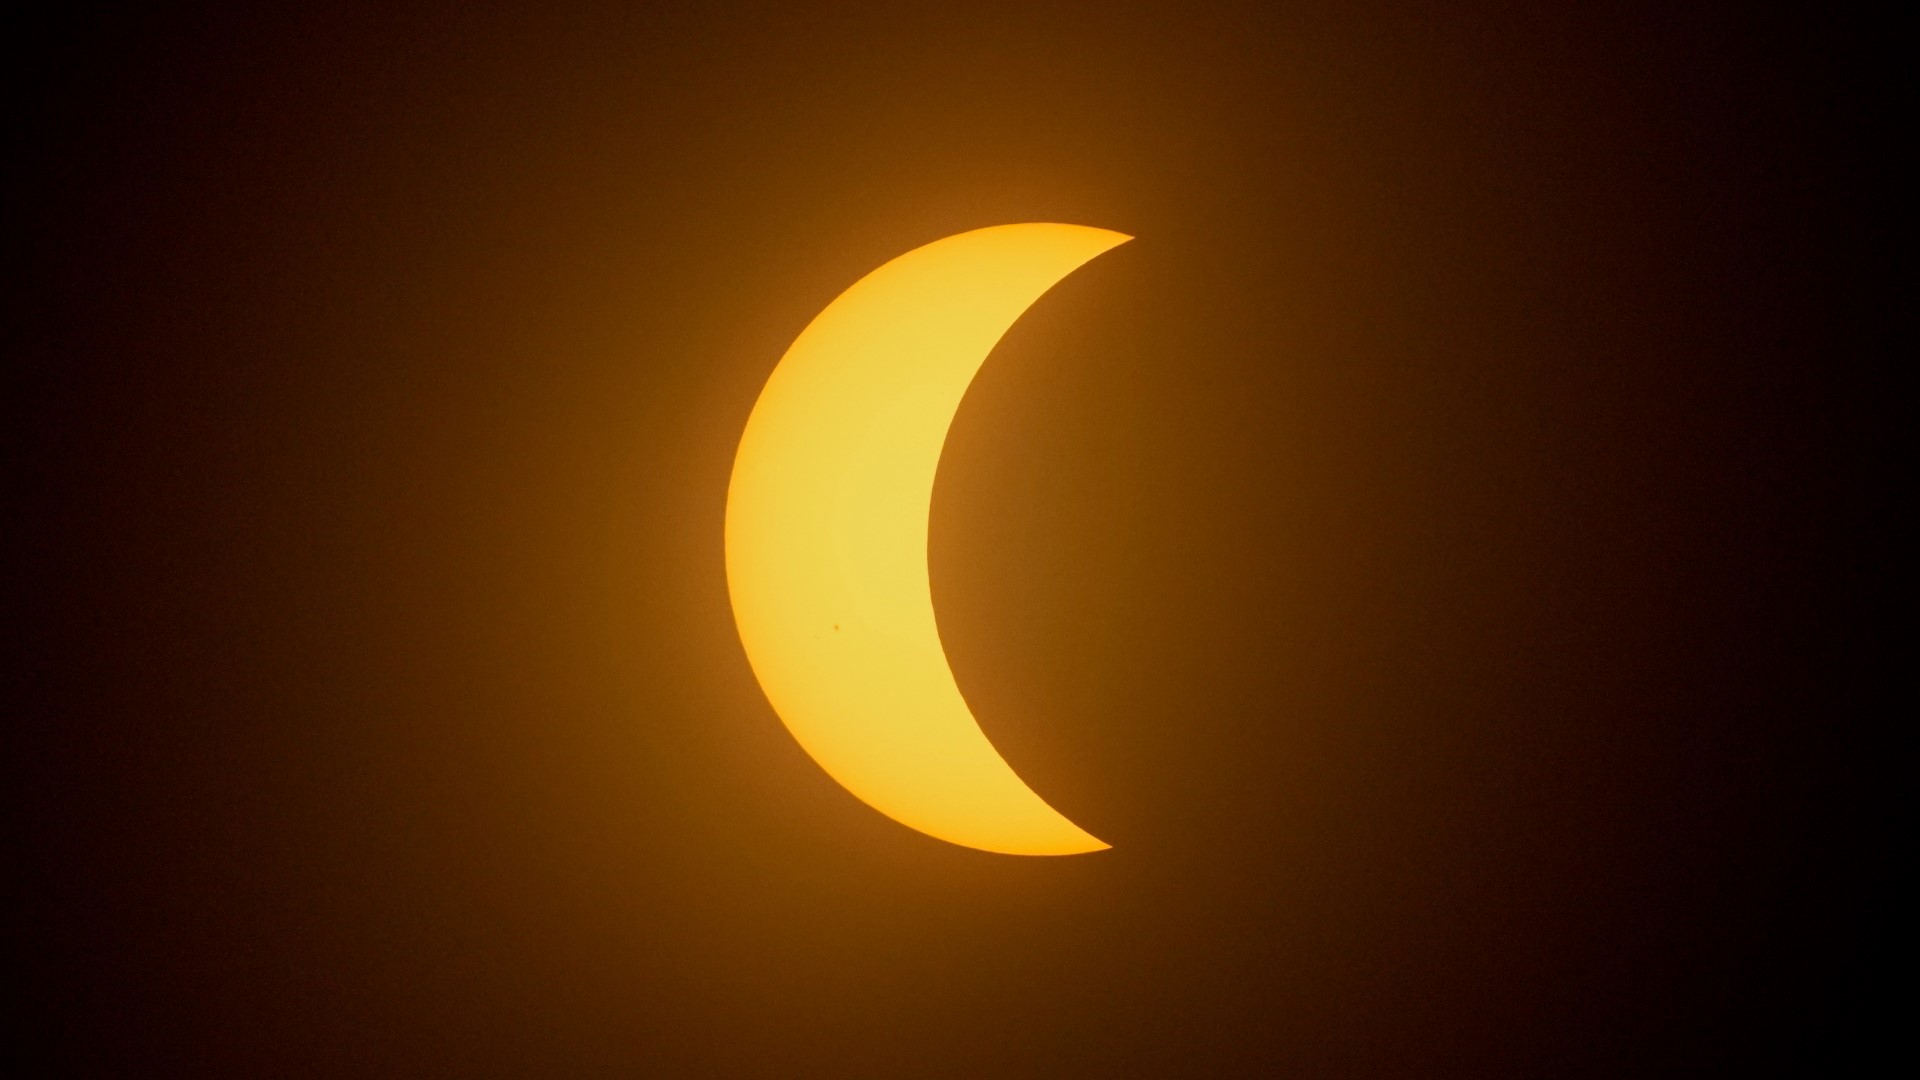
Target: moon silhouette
(826, 533)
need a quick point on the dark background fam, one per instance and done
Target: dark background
(1445, 553)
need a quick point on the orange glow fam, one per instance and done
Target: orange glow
(826, 533)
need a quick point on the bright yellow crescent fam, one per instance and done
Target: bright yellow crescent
(827, 533)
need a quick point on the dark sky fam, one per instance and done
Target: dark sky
(1445, 553)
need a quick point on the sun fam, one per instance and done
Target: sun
(826, 533)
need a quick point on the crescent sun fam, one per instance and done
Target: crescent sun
(826, 533)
